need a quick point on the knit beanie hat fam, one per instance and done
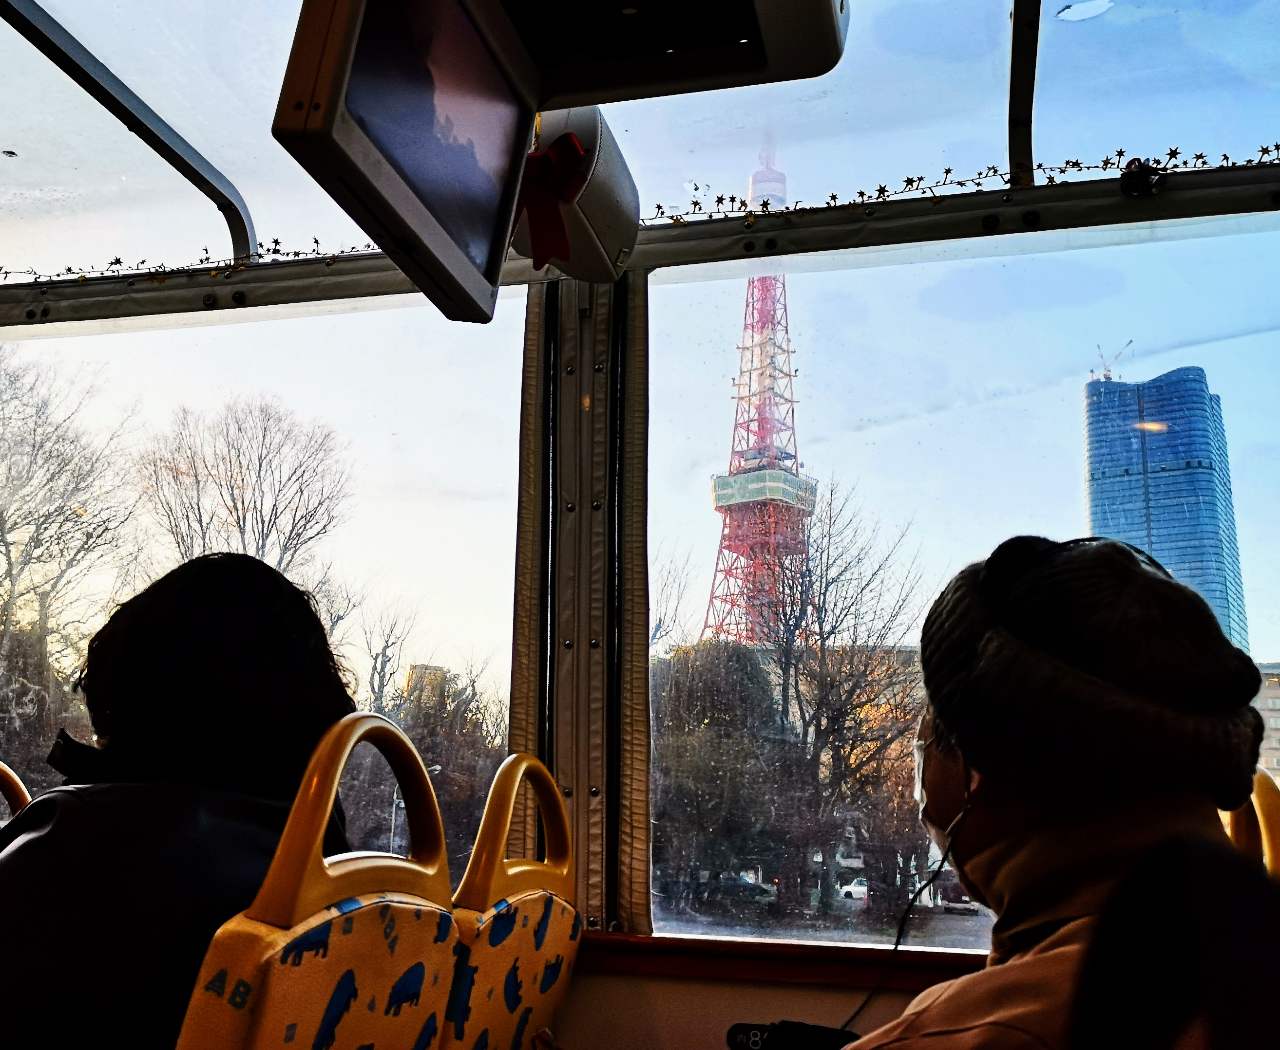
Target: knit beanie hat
(1085, 664)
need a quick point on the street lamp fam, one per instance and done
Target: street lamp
(397, 803)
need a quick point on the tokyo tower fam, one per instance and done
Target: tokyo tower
(763, 499)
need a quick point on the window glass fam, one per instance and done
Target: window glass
(1198, 78)
(214, 74)
(921, 90)
(922, 86)
(900, 104)
(407, 539)
(78, 190)
(926, 413)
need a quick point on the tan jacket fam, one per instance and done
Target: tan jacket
(1047, 890)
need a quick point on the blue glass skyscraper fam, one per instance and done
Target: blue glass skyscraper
(1159, 478)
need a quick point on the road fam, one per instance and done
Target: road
(926, 929)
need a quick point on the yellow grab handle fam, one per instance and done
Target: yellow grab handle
(491, 875)
(1242, 828)
(1266, 805)
(301, 882)
(12, 790)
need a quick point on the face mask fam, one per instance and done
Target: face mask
(917, 793)
(941, 836)
(922, 802)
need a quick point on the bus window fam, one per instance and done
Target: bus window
(1207, 62)
(215, 78)
(821, 468)
(862, 427)
(701, 148)
(371, 456)
(81, 191)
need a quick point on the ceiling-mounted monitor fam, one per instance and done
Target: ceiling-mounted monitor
(416, 115)
(414, 120)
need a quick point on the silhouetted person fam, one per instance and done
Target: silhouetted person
(1184, 955)
(1083, 708)
(207, 692)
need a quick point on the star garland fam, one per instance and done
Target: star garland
(949, 183)
(271, 251)
(719, 206)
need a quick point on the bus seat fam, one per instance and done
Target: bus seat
(349, 951)
(1255, 827)
(12, 790)
(517, 922)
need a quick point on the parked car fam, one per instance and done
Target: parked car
(856, 890)
(735, 889)
(952, 895)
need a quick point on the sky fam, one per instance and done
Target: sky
(429, 417)
(948, 394)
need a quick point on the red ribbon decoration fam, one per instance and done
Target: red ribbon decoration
(552, 177)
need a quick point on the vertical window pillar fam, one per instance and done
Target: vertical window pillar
(580, 700)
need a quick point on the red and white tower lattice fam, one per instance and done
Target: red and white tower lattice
(763, 499)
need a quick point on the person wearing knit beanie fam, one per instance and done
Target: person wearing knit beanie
(1083, 708)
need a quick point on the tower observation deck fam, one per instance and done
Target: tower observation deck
(763, 499)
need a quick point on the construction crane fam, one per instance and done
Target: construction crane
(1108, 367)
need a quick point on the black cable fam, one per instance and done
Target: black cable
(906, 915)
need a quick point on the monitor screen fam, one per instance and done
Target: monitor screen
(427, 92)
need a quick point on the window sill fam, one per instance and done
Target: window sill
(773, 962)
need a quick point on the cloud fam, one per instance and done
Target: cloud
(1085, 9)
(1007, 391)
(1241, 35)
(1020, 285)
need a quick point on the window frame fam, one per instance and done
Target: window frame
(358, 282)
(985, 223)
(980, 222)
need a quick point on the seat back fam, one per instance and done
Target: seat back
(349, 951)
(1254, 828)
(517, 923)
(12, 790)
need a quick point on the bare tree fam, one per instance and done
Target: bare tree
(670, 585)
(455, 721)
(251, 478)
(63, 508)
(384, 638)
(850, 687)
(64, 512)
(336, 600)
(817, 710)
(452, 705)
(894, 845)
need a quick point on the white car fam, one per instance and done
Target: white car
(856, 890)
